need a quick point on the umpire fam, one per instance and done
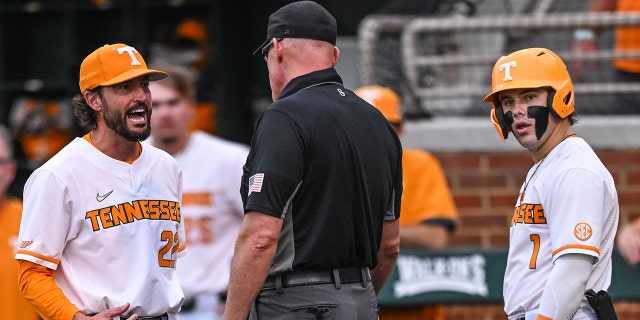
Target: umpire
(321, 186)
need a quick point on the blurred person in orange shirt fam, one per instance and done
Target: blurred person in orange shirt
(627, 40)
(12, 304)
(428, 214)
(188, 44)
(41, 125)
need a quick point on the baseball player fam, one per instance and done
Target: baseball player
(211, 204)
(566, 215)
(101, 229)
(12, 304)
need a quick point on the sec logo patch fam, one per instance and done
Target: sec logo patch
(582, 231)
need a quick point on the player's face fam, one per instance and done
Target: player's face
(517, 101)
(172, 113)
(126, 108)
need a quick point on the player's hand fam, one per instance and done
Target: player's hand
(628, 242)
(108, 314)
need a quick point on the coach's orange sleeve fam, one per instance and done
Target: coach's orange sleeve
(39, 287)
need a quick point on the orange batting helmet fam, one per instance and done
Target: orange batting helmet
(531, 68)
(384, 99)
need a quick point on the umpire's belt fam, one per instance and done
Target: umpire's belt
(163, 316)
(305, 278)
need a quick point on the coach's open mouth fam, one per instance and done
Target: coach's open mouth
(137, 115)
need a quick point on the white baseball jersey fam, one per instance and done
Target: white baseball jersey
(111, 230)
(569, 206)
(212, 210)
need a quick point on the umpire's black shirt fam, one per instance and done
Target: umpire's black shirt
(330, 165)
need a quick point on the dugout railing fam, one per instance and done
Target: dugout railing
(442, 65)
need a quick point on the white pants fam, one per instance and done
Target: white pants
(206, 307)
(531, 315)
(583, 313)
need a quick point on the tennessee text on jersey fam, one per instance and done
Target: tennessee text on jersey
(529, 214)
(128, 212)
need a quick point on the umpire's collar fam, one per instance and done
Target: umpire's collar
(329, 75)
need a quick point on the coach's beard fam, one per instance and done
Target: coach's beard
(118, 123)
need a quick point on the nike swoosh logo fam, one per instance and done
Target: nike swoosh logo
(100, 198)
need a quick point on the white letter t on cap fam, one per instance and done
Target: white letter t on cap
(130, 50)
(507, 70)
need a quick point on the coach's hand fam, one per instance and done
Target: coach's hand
(108, 314)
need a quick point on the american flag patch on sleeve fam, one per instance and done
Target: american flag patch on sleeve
(255, 182)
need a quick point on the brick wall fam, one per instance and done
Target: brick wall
(485, 186)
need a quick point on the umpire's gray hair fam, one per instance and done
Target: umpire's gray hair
(7, 138)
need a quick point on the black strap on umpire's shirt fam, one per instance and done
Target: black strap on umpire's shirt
(279, 289)
(366, 277)
(336, 278)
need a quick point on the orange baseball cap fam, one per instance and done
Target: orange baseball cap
(384, 99)
(112, 64)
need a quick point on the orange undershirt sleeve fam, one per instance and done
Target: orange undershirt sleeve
(38, 286)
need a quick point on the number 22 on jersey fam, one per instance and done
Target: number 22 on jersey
(170, 249)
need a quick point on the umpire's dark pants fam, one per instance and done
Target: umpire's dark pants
(353, 301)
